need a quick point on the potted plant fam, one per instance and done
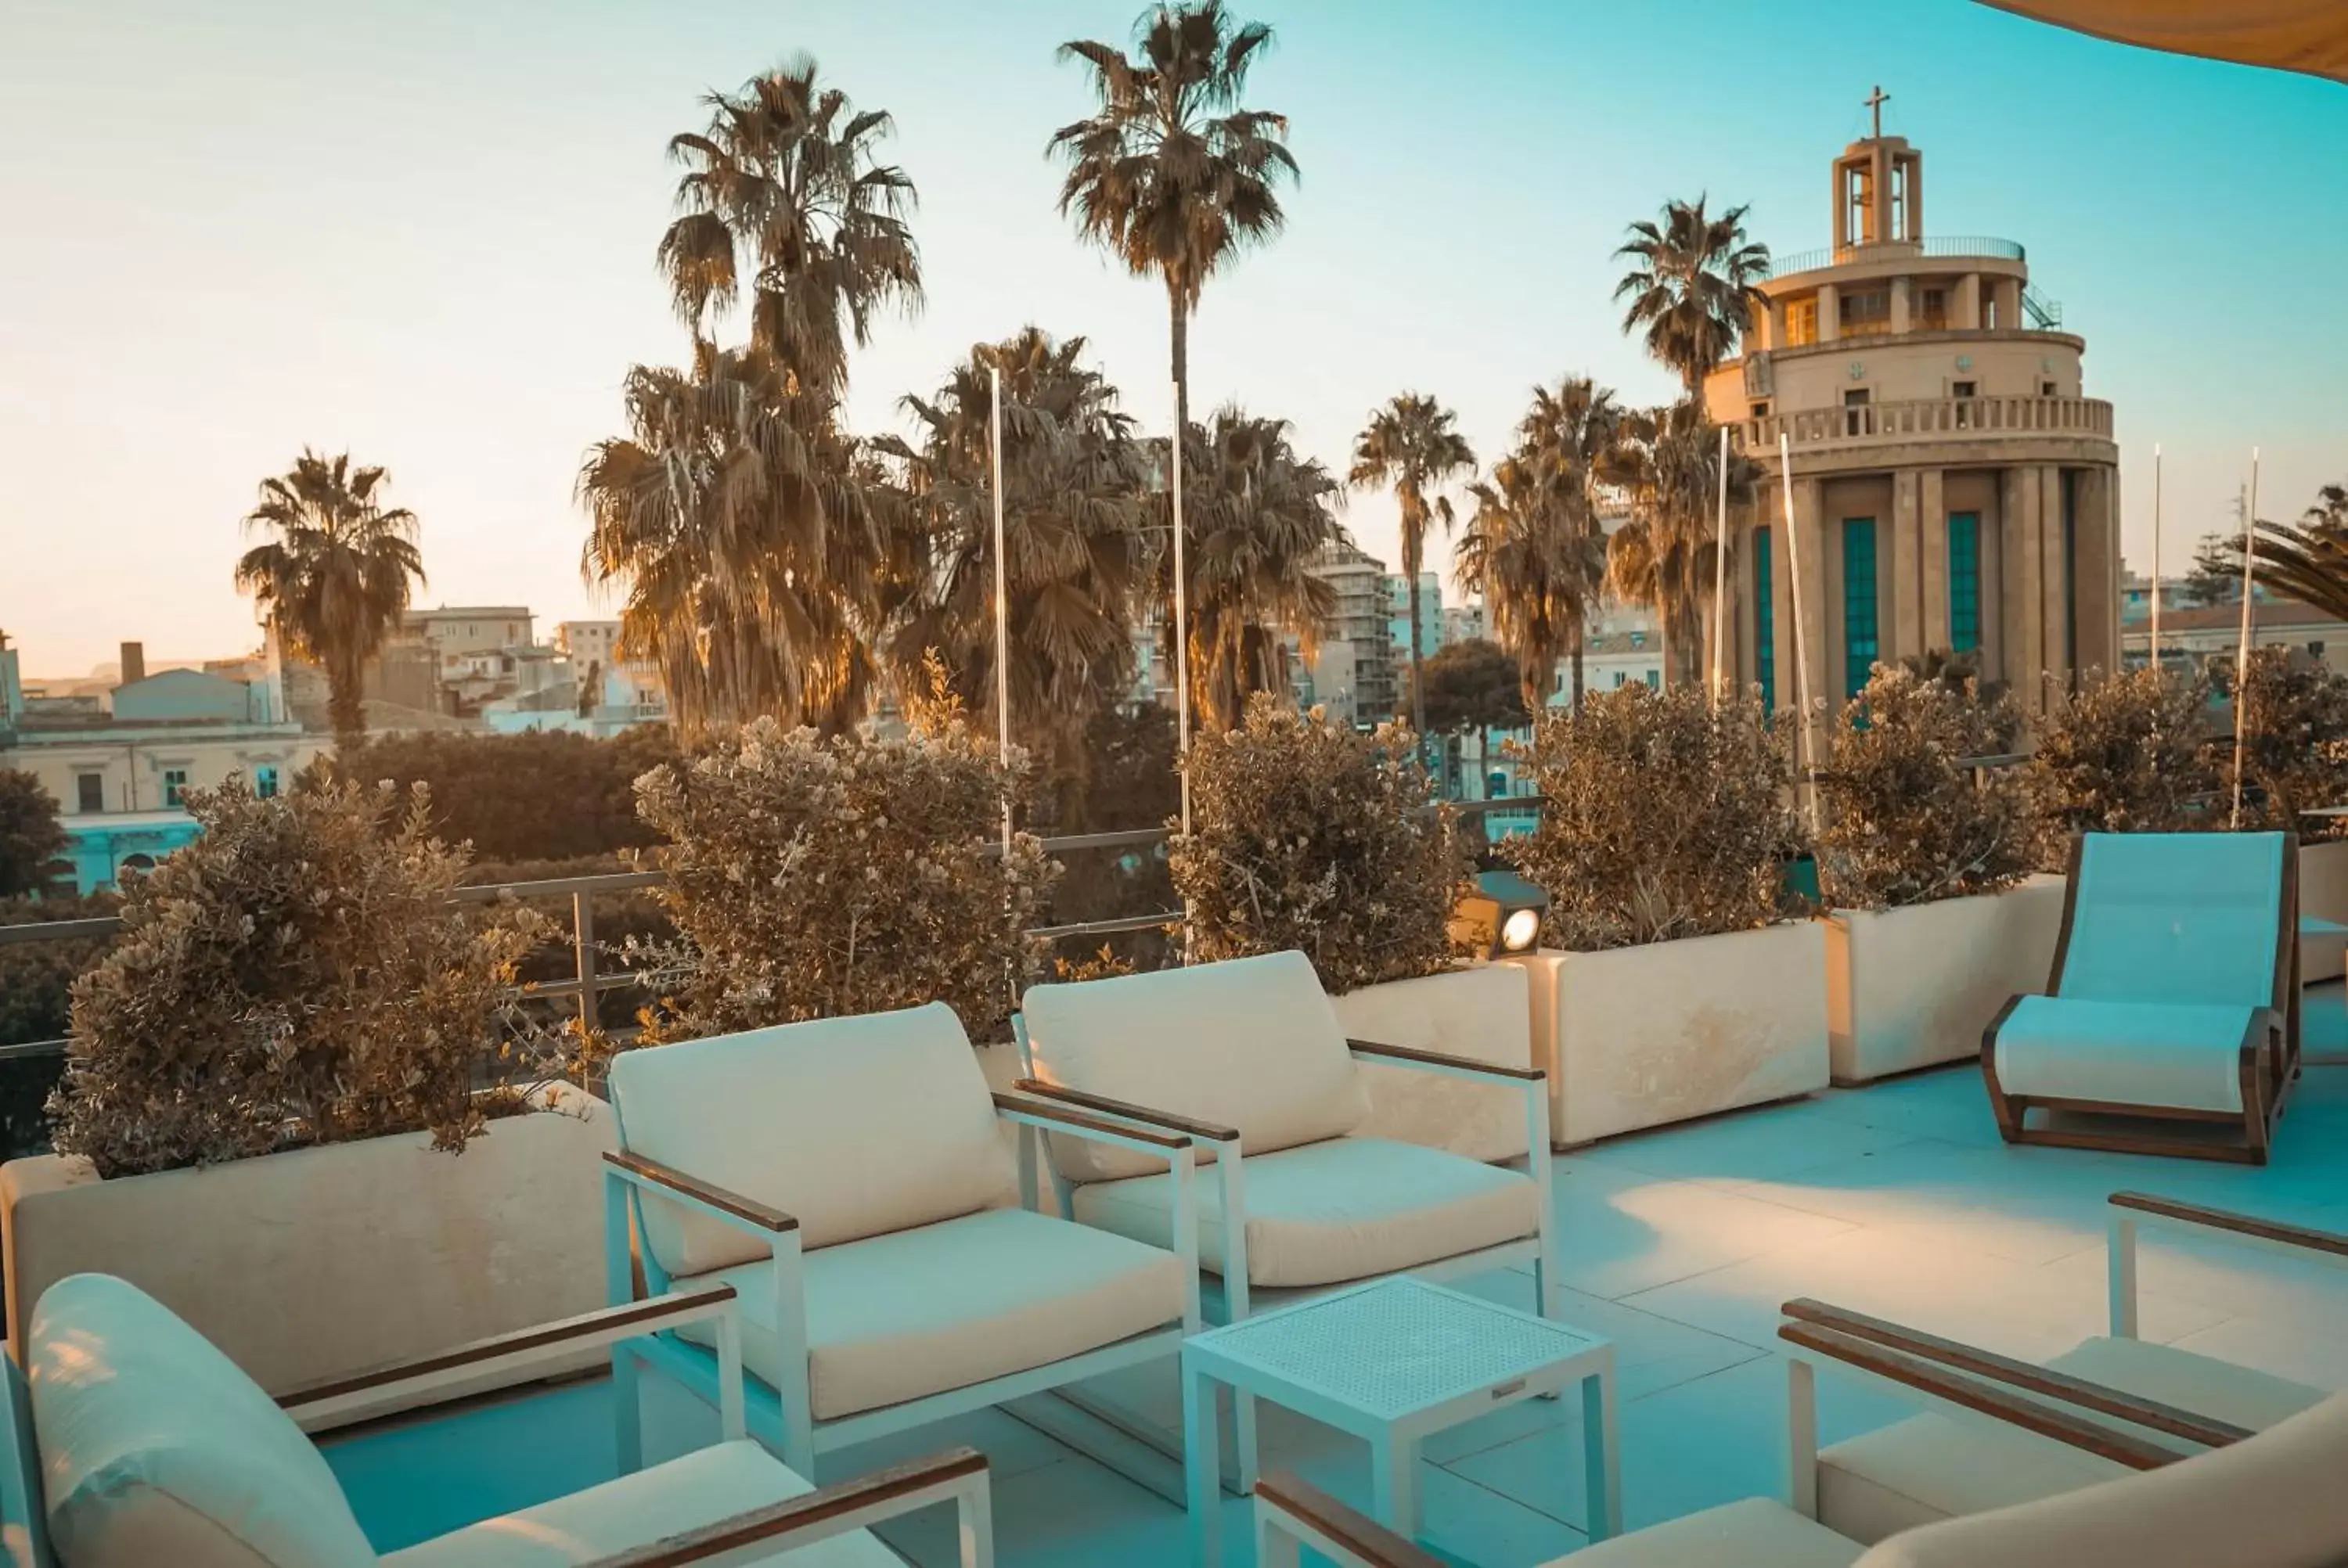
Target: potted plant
(1670, 984)
(1934, 918)
(2125, 752)
(270, 1078)
(1311, 836)
(2294, 759)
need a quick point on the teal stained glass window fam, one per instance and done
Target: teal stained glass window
(1765, 622)
(1859, 637)
(1964, 582)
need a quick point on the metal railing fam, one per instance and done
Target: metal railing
(1933, 246)
(1929, 417)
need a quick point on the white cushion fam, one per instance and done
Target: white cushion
(2273, 1500)
(701, 1488)
(855, 1125)
(2175, 917)
(1252, 1044)
(1349, 1208)
(155, 1448)
(2174, 1054)
(1754, 1533)
(894, 1318)
(1933, 1467)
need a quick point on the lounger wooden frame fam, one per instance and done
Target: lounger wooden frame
(2268, 1060)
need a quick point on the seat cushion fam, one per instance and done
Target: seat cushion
(1754, 1533)
(895, 1317)
(1933, 1467)
(856, 1125)
(1350, 1208)
(701, 1488)
(1251, 1044)
(156, 1449)
(2126, 1053)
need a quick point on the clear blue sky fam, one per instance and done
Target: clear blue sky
(424, 231)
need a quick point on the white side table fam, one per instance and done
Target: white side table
(1391, 1362)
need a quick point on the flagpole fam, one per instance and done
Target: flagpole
(2242, 651)
(2155, 555)
(1002, 607)
(1720, 573)
(1801, 656)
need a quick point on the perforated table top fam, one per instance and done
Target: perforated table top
(1395, 1346)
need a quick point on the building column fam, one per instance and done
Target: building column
(1830, 312)
(1818, 633)
(1969, 302)
(1901, 587)
(2055, 571)
(1933, 547)
(2019, 592)
(2009, 304)
(1780, 652)
(1899, 304)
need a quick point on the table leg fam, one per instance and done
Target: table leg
(1243, 1434)
(1602, 1462)
(1274, 1547)
(1393, 1484)
(1202, 1465)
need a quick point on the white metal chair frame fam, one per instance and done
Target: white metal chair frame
(1230, 1297)
(787, 1411)
(755, 1535)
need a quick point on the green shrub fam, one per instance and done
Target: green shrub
(2294, 744)
(294, 975)
(36, 1004)
(1309, 834)
(1903, 823)
(1663, 818)
(814, 878)
(2125, 752)
(544, 795)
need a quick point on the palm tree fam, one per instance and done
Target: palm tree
(1256, 517)
(1668, 460)
(333, 582)
(1567, 439)
(1170, 175)
(1693, 285)
(1408, 445)
(1536, 574)
(2306, 560)
(786, 190)
(1075, 517)
(734, 514)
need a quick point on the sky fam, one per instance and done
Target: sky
(422, 230)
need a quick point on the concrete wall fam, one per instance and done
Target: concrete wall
(186, 694)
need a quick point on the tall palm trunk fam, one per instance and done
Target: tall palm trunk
(1417, 695)
(1580, 637)
(1180, 334)
(346, 702)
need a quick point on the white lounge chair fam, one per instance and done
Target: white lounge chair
(134, 1442)
(848, 1178)
(1247, 1058)
(2174, 998)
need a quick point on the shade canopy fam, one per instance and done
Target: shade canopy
(2309, 36)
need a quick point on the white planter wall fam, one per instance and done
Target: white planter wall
(1641, 1036)
(1914, 987)
(2323, 894)
(318, 1263)
(1484, 1013)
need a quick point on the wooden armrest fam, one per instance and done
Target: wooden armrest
(2330, 1241)
(1366, 1543)
(604, 1326)
(1986, 1398)
(749, 1211)
(1131, 1113)
(2100, 1397)
(1410, 1056)
(910, 1486)
(1082, 1126)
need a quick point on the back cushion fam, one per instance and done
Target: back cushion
(2177, 917)
(855, 1125)
(2271, 1500)
(155, 1448)
(1252, 1044)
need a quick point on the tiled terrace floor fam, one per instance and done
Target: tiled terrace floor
(1898, 1200)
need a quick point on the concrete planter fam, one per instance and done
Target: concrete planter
(318, 1263)
(1641, 1036)
(1913, 987)
(1483, 1013)
(2323, 895)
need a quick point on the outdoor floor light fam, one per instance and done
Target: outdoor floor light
(1502, 915)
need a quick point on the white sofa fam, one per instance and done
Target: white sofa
(134, 1442)
(2175, 997)
(848, 1178)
